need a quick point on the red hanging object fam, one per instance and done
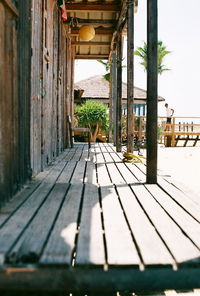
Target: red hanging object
(63, 11)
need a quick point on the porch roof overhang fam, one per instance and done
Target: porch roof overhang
(107, 17)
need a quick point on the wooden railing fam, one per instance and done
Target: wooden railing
(180, 128)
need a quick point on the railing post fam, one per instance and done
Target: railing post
(173, 131)
(152, 92)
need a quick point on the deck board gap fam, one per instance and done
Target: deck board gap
(74, 250)
(103, 227)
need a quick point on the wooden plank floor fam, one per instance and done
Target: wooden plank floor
(90, 224)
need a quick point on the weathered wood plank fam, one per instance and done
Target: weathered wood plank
(79, 173)
(185, 221)
(152, 249)
(77, 155)
(60, 246)
(22, 195)
(67, 173)
(11, 6)
(91, 174)
(90, 248)
(20, 198)
(99, 155)
(126, 173)
(92, 6)
(29, 246)
(92, 155)
(107, 157)
(62, 280)
(181, 198)
(16, 224)
(140, 176)
(84, 156)
(120, 246)
(102, 175)
(182, 249)
(183, 188)
(114, 173)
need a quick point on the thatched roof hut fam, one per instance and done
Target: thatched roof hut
(97, 88)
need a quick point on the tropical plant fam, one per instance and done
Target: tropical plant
(162, 52)
(107, 68)
(93, 115)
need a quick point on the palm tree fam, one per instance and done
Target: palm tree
(162, 52)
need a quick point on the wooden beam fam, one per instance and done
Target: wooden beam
(98, 31)
(130, 78)
(90, 21)
(120, 24)
(91, 56)
(119, 95)
(11, 6)
(93, 6)
(152, 92)
(85, 43)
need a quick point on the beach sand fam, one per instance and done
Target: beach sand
(182, 164)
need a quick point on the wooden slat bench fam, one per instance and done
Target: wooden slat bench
(91, 225)
(77, 129)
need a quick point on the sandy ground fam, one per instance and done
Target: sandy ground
(182, 164)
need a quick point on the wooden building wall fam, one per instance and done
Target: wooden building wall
(9, 102)
(48, 88)
(33, 93)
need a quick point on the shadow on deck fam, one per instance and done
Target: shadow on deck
(90, 224)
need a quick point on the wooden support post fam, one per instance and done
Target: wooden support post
(152, 96)
(173, 131)
(119, 94)
(130, 77)
(110, 136)
(114, 92)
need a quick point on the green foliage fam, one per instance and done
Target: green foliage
(93, 115)
(107, 68)
(162, 52)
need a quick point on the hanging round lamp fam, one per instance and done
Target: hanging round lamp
(87, 33)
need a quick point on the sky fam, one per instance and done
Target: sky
(179, 29)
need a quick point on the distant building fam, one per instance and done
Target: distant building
(97, 88)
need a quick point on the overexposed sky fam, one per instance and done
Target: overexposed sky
(179, 29)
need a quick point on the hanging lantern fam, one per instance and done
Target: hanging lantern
(87, 33)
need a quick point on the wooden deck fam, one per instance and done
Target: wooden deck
(90, 224)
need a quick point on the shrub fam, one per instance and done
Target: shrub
(93, 115)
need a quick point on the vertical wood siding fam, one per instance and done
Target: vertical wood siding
(9, 119)
(34, 100)
(48, 96)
